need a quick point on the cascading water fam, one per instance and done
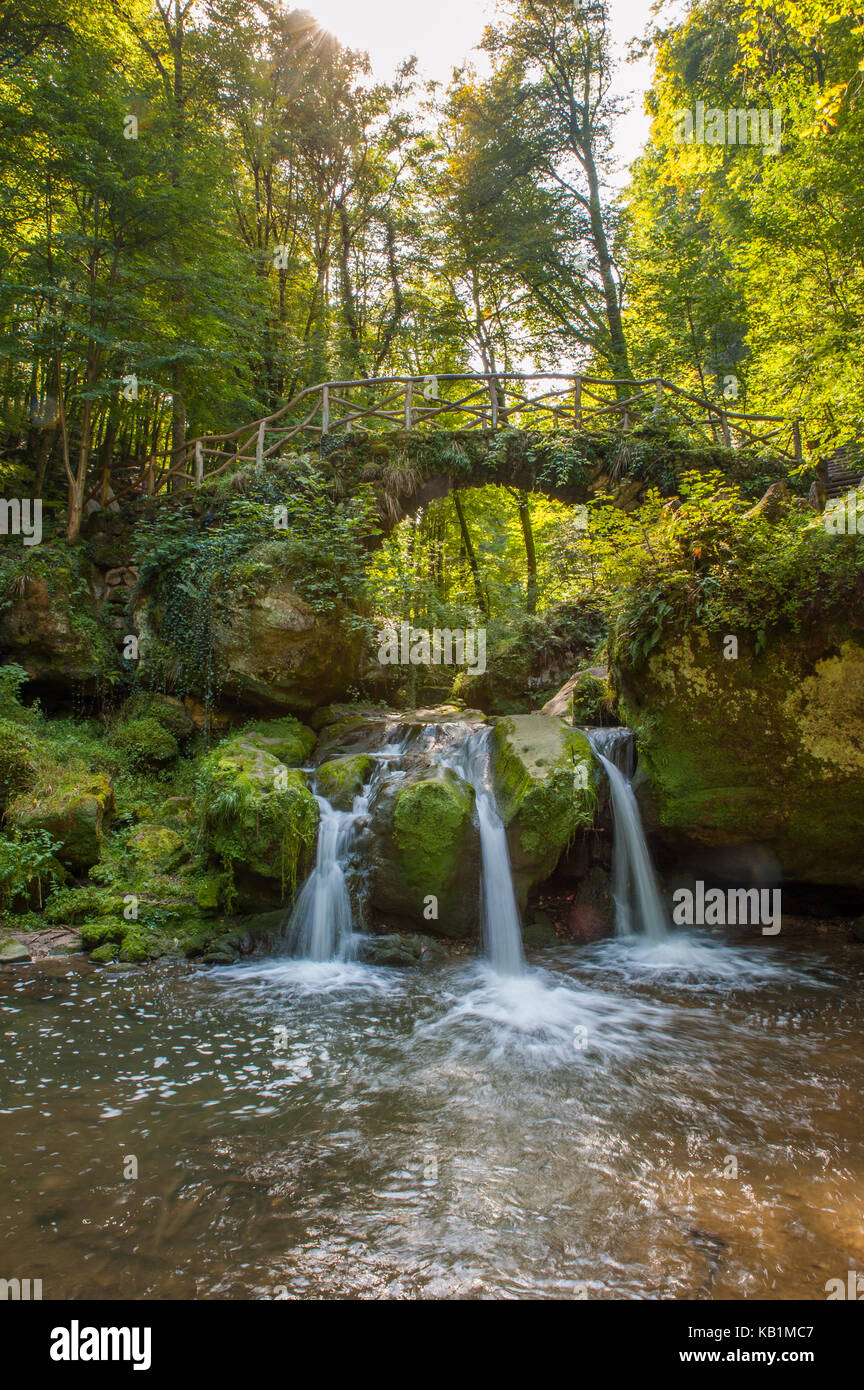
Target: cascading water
(638, 906)
(502, 932)
(322, 925)
(322, 922)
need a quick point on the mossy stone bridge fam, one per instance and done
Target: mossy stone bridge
(455, 428)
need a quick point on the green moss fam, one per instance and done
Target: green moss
(102, 929)
(107, 952)
(545, 781)
(287, 739)
(18, 752)
(257, 815)
(168, 713)
(73, 904)
(208, 895)
(155, 846)
(430, 819)
(341, 779)
(552, 811)
(144, 741)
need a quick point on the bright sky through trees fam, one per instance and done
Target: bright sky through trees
(443, 32)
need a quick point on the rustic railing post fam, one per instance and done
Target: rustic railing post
(150, 479)
(259, 446)
(199, 461)
(325, 410)
(724, 425)
(493, 397)
(409, 396)
(658, 394)
(577, 402)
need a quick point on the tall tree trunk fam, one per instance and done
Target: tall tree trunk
(471, 556)
(523, 504)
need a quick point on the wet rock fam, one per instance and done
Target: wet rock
(341, 779)
(425, 855)
(545, 776)
(585, 923)
(539, 931)
(396, 949)
(13, 953)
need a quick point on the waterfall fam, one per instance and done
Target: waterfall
(322, 925)
(638, 906)
(322, 922)
(502, 932)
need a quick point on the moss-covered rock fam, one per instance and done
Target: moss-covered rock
(341, 779)
(53, 624)
(171, 714)
(74, 817)
(157, 847)
(287, 739)
(426, 860)
(145, 741)
(545, 784)
(395, 949)
(765, 748)
(209, 893)
(584, 699)
(259, 818)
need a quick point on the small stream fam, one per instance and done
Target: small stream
(661, 1114)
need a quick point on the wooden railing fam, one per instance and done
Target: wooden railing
(460, 401)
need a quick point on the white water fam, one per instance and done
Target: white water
(638, 906)
(322, 922)
(502, 931)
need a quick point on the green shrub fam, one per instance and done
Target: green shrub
(28, 864)
(102, 930)
(72, 904)
(144, 742)
(170, 714)
(17, 759)
(12, 677)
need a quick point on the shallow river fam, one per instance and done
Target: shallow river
(682, 1121)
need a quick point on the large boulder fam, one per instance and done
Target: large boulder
(545, 776)
(425, 855)
(762, 750)
(277, 653)
(74, 817)
(273, 652)
(259, 818)
(55, 628)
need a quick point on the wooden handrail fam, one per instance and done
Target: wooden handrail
(571, 396)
